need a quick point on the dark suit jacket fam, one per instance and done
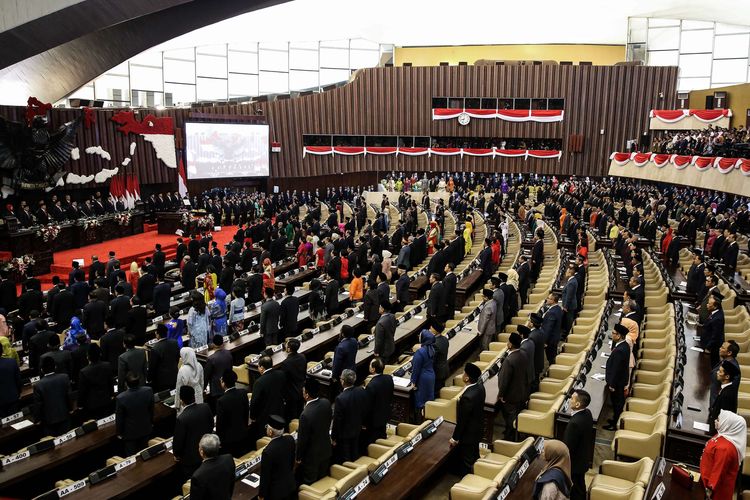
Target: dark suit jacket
(162, 294)
(94, 314)
(449, 282)
(269, 321)
(713, 331)
(10, 374)
(80, 291)
(295, 370)
(313, 441)
(350, 411)
(119, 307)
(111, 346)
(96, 269)
(552, 324)
(402, 290)
(436, 301)
(278, 479)
(469, 415)
(371, 305)
(537, 336)
(194, 421)
(512, 381)
(95, 387)
(617, 366)
(8, 295)
(289, 314)
(63, 361)
(344, 356)
(577, 437)
(162, 364)
(232, 411)
(135, 413)
(132, 360)
(385, 331)
(146, 284)
(63, 307)
(214, 479)
(37, 346)
(725, 400)
(159, 259)
(52, 398)
(268, 396)
(380, 393)
(218, 362)
(189, 273)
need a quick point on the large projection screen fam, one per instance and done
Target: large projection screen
(226, 150)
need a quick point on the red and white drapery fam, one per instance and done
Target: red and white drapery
(510, 115)
(680, 162)
(704, 115)
(372, 150)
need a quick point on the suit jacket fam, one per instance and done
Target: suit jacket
(268, 396)
(63, 361)
(111, 346)
(577, 437)
(512, 381)
(380, 393)
(135, 413)
(214, 479)
(569, 295)
(350, 410)
(80, 291)
(137, 323)
(696, 279)
(385, 332)
(119, 307)
(192, 423)
(269, 321)
(96, 269)
(232, 413)
(217, 363)
(617, 367)
(313, 440)
(95, 387)
(529, 348)
(8, 295)
(371, 305)
(713, 331)
(146, 284)
(552, 324)
(162, 294)
(344, 356)
(402, 289)
(288, 315)
(731, 252)
(163, 364)
(487, 324)
(159, 259)
(132, 360)
(449, 283)
(52, 399)
(436, 300)
(537, 257)
(469, 415)
(295, 371)
(10, 374)
(38, 346)
(277, 480)
(189, 273)
(726, 399)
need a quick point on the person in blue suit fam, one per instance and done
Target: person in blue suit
(422, 372)
(552, 326)
(345, 355)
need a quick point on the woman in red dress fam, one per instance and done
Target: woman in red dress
(722, 455)
(269, 280)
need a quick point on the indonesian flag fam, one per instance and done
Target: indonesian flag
(129, 198)
(182, 180)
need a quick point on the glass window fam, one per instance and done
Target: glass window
(243, 62)
(364, 58)
(381, 141)
(185, 54)
(687, 84)
(316, 140)
(663, 58)
(152, 58)
(422, 142)
(729, 71)
(85, 92)
(105, 84)
(728, 29)
(273, 60)
(243, 85)
(696, 25)
(120, 69)
(207, 65)
(303, 80)
(521, 103)
(472, 103)
(303, 59)
(663, 38)
(696, 41)
(146, 78)
(334, 58)
(330, 76)
(273, 83)
(488, 103)
(304, 45)
(539, 104)
(213, 50)
(439, 102)
(638, 28)
(695, 65)
(341, 44)
(556, 104)
(361, 43)
(654, 22)
(181, 94)
(212, 89)
(179, 71)
(348, 140)
(731, 46)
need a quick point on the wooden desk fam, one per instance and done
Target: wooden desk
(170, 222)
(661, 474)
(467, 286)
(408, 475)
(297, 279)
(524, 489)
(418, 287)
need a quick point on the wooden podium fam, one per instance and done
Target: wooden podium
(169, 222)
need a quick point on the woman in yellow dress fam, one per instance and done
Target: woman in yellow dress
(467, 238)
(433, 235)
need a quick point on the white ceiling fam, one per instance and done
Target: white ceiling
(448, 22)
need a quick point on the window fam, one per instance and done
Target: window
(729, 71)
(303, 80)
(212, 89)
(663, 58)
(273, 57)
(696, 41)
(273, 83)
(663, 38)
(316, 140)
(472, 103)
(243, 62)
(439, 102)
(181, 93)
(521, 103)
(728, 46)
(146, 77)
(349, 140)
(243, 85)
(489, 103)
(694, 65)
(381, 141)
(210, 65)
(179, 71)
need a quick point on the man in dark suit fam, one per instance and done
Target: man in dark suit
(269, 319)
(403, 297)
(277, 479)
(96, 270)
(313, 440)
(523, 278)
(436, 300)
(537, 255)
(134, 414)
(63, 359)
(349, 413)
(137, 320)
(529, 348)
(616, 373)
(192, 423)
(181, 250)
(189, 273)
(119, 307)
(94, 314)
(10, 386)
(95, 386)
(469, 418)
(712, 335)
(449, 283)
(726, 399)
(551, 326)
(577, 438)
(385, 332)
(159, 260)
(52, 399)
(512, 384)
(38, 344)
(267, 396)
(569, 300)
(163, 361)
(289, 313)
(146, 285)
(371, 306)
(162, 294)
(696, 277)
(8, 293)
(380, 393)
(214, 478)
(132, 360)
(485, 259)
(295, 371)
(232, 414)
(636, 293)
(731, 251)
(62, 307)
(218, 362)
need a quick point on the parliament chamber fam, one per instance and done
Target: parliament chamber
(328, 250)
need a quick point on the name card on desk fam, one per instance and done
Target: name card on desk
(157, 319)
(16, 458)
(67, 490)
(65, 437)
(125, 463)
(11, 418)
(34, 380)
(315, 368)
(201, 348)
(504, 492)
(379, 473)
(22, 424)
(356, 490)
(105, 420)
(658, 492)
(278, 348)
(522, 469)
(244, 332)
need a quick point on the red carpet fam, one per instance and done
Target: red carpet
(128, 249)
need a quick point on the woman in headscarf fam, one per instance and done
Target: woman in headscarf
(666, 240)
(71, 334)
(433, 235)
(722, 456)
(563, 217)
(175, 325)
(190, 373)
(302, 253)
(422, 371)
(386, 264)
(511, 296)
(217, 308)
(198, 322)
(237, 308)
(269, 280)
(8, 351)
(554, 481)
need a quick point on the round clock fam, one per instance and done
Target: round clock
(464, 119)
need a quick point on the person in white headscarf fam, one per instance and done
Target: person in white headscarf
(722, 456)
(190, 373)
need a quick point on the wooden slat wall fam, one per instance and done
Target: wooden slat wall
(397, 101)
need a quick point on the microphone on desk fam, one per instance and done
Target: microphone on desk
(87, 427)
